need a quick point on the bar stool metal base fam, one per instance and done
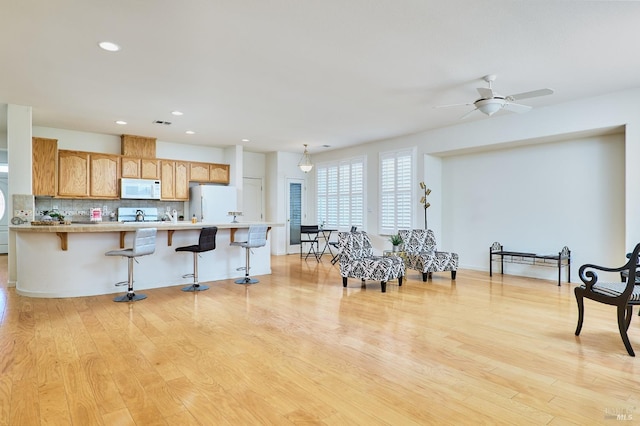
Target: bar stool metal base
(195, 287)
(196, 284)
(130, 297)
(246, 280)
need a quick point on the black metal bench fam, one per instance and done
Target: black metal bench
(557, 260)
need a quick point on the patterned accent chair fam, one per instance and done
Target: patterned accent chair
(421, 253)
(357, 261)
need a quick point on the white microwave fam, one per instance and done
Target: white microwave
(140, 189)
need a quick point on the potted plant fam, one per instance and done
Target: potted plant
(52, 216)
(396, 241)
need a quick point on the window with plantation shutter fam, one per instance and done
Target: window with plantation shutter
(340, 190)
(396, 175)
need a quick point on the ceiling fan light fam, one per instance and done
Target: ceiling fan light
(490, 106)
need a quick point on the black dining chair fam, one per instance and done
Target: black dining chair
(309, 235)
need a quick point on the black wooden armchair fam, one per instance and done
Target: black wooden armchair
(623, 295)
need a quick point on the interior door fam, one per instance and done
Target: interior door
(295, 213)
(252, 200)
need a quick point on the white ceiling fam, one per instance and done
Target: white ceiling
(286, 72)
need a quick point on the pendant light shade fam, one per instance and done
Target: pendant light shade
(305, 163)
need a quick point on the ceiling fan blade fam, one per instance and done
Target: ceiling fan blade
(532, 94)
(519, 108)
(486, 93)
(468, 114)
(452, 105)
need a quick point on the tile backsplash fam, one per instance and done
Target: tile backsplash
(78, 209)
(23, 206)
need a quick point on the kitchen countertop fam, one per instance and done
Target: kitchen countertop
(128, 226)
(123, 227)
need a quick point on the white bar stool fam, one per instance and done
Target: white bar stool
(256, 237)
(144, 243)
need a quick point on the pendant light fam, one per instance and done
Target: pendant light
(305, 163)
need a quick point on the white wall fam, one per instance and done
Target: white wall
(537, 198)
(173, 151)
(80, 141)
(280, 166)
(446, 149)
(3, 126)
(254, 164)
(19, 153)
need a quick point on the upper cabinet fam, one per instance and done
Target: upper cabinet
(199, 172)
(138, 146)
(182, 180)
(73, 174)
(219, 173)
(80, 174)
(103, 175)
(209, 172)
(44, 153)
(175, 180)
(150, 168)
(130, 167)
(84, 174)
(140, 168)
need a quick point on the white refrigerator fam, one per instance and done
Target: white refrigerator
(212, 203)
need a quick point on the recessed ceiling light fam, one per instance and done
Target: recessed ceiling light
(176, 112)
(245, 140)
(109, 46)
(121, 122)
(190, 132)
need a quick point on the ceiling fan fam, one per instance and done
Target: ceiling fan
(491, 101)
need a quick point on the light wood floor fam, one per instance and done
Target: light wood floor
(297, 348)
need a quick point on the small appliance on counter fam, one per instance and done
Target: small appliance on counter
(138, 214)
(96, 215)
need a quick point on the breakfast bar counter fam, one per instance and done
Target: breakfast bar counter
(69, 260)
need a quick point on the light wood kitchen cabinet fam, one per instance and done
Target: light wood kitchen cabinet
(219, 173)
(138, 146)
(104, 172)
(168, 179)
(175, 180)
(150, 168)
(44, 159)
(199, 172)
(73, 174)
(182, 180)
(209, 172)
(140, 168)
(130, 167)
